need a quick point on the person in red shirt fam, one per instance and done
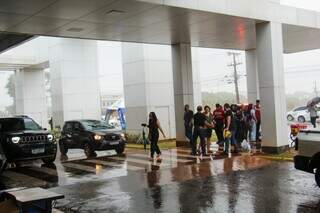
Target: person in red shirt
(218, 117)
(258, 120)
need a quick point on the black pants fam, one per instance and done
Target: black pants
(201, 133)
(219, 132)
(258, 124)
(154, 148)
(314, 121)
(188, 132)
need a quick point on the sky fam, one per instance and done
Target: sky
(213, 67)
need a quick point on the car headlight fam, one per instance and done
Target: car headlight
(123, 136)
(15, 139)
(97, 137)
(50, 137)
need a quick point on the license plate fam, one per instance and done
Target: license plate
(114, 143)
(37, 151)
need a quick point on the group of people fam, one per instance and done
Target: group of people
(233, 124)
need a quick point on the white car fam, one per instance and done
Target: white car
(300, 114)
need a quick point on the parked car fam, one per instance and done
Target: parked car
(91, 136)
(308, 158)
(300, 114)
(21, 138)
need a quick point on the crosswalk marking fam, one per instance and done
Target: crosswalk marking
(23, 178)
(79, 167)
(113, 164)
(168, 158)
(145, 162)
(185, 155)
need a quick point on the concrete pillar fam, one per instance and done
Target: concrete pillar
(74, 80)
(252, 76)
(30, 95)
(272, 88)
(147, 76)
(183, 86)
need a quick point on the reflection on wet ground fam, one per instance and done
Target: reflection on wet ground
(180, 183)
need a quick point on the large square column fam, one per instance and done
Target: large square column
(183, 86)
(147, 77)
(252, 76)
(30, 95)
(74, 80)
(271, 85)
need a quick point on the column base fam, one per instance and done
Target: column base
(275, 150)
(182, 144)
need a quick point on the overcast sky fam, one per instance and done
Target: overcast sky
(213, 67)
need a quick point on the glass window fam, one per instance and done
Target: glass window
(30, 124)
(300, 108)
(11, 125)
(67, 127)
(77, 126)
(92, 125)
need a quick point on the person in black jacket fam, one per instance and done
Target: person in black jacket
(154, 127)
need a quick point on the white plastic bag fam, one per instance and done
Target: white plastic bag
(245, 146)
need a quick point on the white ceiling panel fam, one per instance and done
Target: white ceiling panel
(9, 20)
(73, 9)
(28, 7)
(119, 10)
(39, 25)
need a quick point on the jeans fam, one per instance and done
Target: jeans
(188, 132)
(154, 148)
(258, 124)
(219, 133)
(201, 133)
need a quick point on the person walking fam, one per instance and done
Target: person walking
(257, 110)
(199, 131)
(313, 114)
(218, 117)
(154, 127)
(209, 119)
(188, 122)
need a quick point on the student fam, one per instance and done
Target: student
(188, 122)
(218, 116)
(257, 110)
(209, 119)
(229, 126)
(199, 130)
(154, 127)
(313, 114)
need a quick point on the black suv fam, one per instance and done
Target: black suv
(91, 136)
(21, 138)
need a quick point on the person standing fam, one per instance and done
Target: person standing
(209, 119)
(313, 114)
(218, 117)
(199, 131)
(188, 122)
(257, 110)
(229, 126)
(154, 127)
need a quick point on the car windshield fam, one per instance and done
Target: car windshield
(30, 124)
(96, 125)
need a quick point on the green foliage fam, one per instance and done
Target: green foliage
(10, 86)
(132, 138)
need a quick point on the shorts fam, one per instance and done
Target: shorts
(208, 133)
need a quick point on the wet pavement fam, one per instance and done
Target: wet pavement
(180, 183)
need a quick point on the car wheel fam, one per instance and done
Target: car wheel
(290, 118)
(88, 151)
(301, 119)
(49, 160)
(120, 149)
(317, 176)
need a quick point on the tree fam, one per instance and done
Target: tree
(10, 86)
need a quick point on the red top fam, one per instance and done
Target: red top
(218, 114)
(258, 113)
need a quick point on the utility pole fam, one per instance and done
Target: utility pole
(315, 88)
(235, 64)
